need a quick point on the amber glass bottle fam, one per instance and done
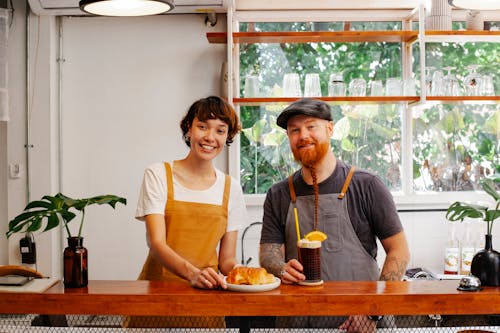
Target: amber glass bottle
(75, 264)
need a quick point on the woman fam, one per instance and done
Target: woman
(190, 208)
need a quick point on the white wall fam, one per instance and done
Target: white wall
(125, 83)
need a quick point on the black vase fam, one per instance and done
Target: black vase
(75, 264)
(486, 265)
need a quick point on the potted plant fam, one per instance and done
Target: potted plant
(61, 209)
(486, 263)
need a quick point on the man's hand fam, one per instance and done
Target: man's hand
(359, 324)
(292, 272)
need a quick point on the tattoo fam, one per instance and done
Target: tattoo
(271, 257)
(393, 269)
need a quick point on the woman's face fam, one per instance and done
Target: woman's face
(207, 137)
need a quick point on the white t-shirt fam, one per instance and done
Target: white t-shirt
(153, 196)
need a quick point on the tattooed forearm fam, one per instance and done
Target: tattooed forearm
(271, 257)
(393, 270)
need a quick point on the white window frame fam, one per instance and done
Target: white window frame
(406, 199)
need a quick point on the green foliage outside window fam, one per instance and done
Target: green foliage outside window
(454, 145)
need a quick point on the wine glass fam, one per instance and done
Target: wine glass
(451, 84)
(472, 81)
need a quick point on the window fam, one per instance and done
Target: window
(449, 146)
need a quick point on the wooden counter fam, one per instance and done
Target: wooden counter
(333, 298)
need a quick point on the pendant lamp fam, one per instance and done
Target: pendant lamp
(126, 7)
(476, 4)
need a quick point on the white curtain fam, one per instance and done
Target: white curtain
(4, 96)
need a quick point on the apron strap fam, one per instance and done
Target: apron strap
(346, 183)
(292, 189)
(170, 183)
(227, 191)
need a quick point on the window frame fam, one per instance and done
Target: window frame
(406, 199)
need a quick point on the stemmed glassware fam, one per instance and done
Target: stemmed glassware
(472, 81)
(451, 84)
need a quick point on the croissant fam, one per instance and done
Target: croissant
(249, 275)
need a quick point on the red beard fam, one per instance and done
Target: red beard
(309, 157)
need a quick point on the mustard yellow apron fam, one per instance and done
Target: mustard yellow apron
(193, 231)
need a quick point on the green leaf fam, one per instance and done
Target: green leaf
(52, 222)
(489, 187)
(459, 211)
(38, 204)
(492, 215)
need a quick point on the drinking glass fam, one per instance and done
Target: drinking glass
(409, 87)
(486, 86)
(394, 87)
(312, 87)
(336, 85)
(472, 81)
(376, 88)
(438, 83)
(291, 85)
(251, 86)
(357, 87)
(451, 84)
(309, 253)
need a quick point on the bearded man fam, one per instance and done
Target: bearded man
(352, 207)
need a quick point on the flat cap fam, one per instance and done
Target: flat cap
(306, 106)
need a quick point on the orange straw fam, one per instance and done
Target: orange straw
(296, 223)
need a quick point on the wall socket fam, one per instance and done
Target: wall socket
(15, 170)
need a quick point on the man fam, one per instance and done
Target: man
(353, 212)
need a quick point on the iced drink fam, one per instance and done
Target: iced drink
(310, 258)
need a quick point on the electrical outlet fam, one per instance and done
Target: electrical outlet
(15, 170)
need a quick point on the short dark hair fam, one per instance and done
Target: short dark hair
(306, 106)
(212, 107)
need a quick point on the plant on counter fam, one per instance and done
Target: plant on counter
(458, 211)
(485, 263)
(58, 209)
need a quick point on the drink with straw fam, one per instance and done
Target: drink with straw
(309, 253)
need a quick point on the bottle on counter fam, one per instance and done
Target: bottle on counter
(452, 251)
(468, 249)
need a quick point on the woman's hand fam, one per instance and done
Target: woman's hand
(207, 278)
(292, 272)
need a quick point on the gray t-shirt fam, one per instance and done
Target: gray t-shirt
(371, 207)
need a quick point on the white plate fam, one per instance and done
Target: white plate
(254, 288)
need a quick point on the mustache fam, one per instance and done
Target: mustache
(305, 142)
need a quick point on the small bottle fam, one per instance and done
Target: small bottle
(468, 249)
(452, 252)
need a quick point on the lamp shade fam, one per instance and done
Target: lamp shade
(126, 7)
(476, 4)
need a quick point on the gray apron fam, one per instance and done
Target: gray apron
(343, 257)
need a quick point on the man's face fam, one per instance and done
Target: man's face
(309, 138)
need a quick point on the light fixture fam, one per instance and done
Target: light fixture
(476, 4)
(126, 7)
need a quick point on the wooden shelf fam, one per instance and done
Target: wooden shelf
(461, 99)
(315, 37)
(456, 36)
(334, 100)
